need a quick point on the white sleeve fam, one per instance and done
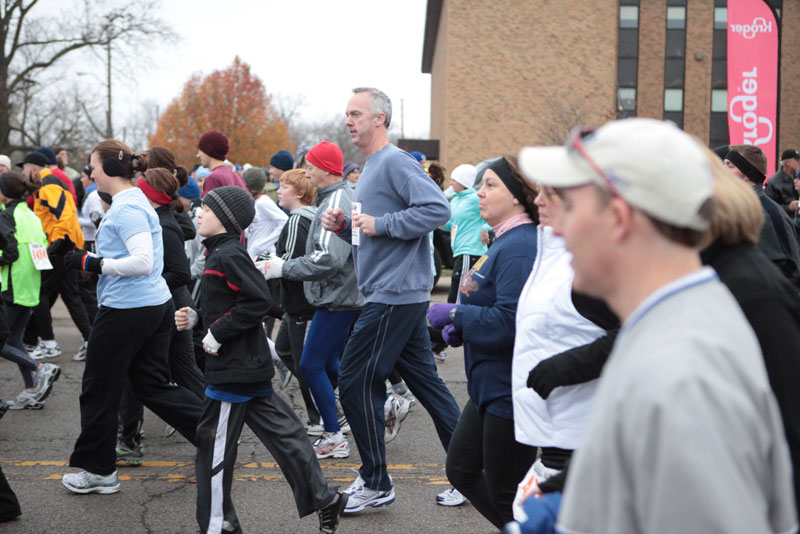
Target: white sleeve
(140, 261)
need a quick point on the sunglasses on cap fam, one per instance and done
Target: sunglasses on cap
(575, 143)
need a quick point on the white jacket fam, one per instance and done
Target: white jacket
(263, 232)
(548, 324)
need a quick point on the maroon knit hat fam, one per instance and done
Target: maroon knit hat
(327, 156)
(214, 143)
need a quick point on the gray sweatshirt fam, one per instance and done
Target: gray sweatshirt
(394, 267)
(327, 268)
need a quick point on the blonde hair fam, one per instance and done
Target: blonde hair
(301, 184)
(737, 217)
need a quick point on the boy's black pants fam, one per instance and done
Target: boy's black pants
(279, 429)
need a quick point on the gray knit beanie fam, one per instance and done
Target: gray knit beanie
(233, 206)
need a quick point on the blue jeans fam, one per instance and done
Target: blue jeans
(320, 361)
(387, 336)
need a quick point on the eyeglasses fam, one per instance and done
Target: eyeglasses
(575, 142)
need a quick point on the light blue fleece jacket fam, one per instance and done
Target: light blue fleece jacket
(466, 218)
(394, 266)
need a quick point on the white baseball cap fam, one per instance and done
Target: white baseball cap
(464, 174)
(652, 164)
(5, 160)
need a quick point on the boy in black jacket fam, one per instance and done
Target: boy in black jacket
(238, 376)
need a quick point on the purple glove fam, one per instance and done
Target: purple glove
(452, 336)
(439, 314)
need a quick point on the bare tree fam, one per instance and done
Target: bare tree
(26, 58)
(331, 129)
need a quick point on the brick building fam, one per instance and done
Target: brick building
(509, 73)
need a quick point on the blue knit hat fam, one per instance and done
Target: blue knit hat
(283, 160)
(49, 154)
(190, 191)
(202, 172)
(419, 156)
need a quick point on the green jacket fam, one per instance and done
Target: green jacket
(20, 279)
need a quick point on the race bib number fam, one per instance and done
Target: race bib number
(39, 254)
(355, 236)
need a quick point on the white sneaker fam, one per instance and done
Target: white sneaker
(80, 356)
(450, 497)
(46, 349)
(440, 356)
(395, 416)
(26, 401)
(361, 497)
(327, 447)
(86, 482)
(45, 378)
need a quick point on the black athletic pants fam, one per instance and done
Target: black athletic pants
(485, 463)
(279, 429)
(135, 341)
(9, 505)
(183, 371)
(289, 346)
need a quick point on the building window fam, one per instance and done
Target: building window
(627, 58)
(720, 18)
(675, 61)
(626, 99)
(673, 99)
(628, 16)
(676, 18)
(719, 101)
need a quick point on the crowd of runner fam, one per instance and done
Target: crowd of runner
(627, 306)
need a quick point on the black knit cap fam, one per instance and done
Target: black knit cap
(233, 206)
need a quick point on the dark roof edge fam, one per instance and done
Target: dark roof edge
(432, 16)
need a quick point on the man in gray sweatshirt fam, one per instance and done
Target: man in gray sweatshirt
(395, 206)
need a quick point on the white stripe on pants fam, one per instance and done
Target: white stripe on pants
(217, 495)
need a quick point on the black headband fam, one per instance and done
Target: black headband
(114, 167)
(747, 168)
(4, 187)
(501, 169)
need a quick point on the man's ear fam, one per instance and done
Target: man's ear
(622, 217)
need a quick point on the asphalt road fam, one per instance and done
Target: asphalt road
(158, 496)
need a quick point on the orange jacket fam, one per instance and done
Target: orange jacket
(54, 205)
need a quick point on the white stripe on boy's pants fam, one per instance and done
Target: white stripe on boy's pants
(217, 514)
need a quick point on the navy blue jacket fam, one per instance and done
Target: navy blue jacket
(487, 314)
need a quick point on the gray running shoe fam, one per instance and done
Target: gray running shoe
(26, 401)
(130, 456)
(45, 378)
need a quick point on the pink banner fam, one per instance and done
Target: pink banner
(753, 76)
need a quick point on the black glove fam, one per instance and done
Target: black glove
(60, 246)
(544, 378)
(83, 261)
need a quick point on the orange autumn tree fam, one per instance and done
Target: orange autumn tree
(233, 101)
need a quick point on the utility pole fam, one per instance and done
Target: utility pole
(109, 128)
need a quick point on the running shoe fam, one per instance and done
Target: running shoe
(450, 497)
(132, 456)
(46, 349)
(284, 372)
(169, 431)
(329, 515)
(440, 356)
(396, 415)
(45, 378)
(402, 390)
(4, 406)
(314, 430)
(86, 482)
(26, 401)
(80, 356)
(361, 497)
(326, 447)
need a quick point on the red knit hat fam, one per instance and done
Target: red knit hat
(327, 156)
(214, 143)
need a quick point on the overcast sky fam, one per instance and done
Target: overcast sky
(314, 48)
